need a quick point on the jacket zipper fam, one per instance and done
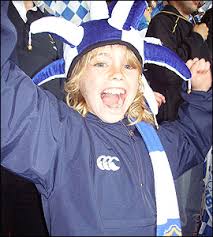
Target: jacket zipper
(132, 140)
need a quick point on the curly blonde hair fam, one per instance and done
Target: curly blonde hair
(137, 111)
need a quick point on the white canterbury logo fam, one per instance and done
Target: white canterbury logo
(106, 163)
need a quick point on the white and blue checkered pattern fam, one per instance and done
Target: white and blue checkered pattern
(206, 225)
(74, 11)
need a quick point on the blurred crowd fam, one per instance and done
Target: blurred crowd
(186, 29)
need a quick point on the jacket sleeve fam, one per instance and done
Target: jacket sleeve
(185, 45)
(32, 124)
(188, 139)
(32, 120)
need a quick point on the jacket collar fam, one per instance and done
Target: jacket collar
(172, 9)
(19, 5)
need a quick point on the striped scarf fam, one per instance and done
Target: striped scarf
(168, 220)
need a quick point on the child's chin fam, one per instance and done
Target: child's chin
(111, 118)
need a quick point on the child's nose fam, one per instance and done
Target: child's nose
(117, 74)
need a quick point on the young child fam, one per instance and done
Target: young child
(99, 163)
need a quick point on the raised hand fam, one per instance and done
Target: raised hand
(202, 29)
(201, 74)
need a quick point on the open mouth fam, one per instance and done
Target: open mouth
(113, 98)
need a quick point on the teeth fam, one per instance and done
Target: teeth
(114, 91)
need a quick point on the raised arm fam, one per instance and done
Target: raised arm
(32, 119)
(191, 134)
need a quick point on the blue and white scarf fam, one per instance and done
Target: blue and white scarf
(168, 220)
(206, 228)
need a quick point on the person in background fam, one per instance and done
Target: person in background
(206, 228)
(188, 40)
(96, 160)
(158, 6)
(153, 7)
(207, 19)
(21, 210)
(46, 48)
(146, 18)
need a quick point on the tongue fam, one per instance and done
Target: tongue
(110, 99)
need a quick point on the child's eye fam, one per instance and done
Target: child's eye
(128, 66)
(100, 64)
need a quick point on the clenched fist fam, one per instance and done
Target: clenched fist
(201, 74)
(201, 29)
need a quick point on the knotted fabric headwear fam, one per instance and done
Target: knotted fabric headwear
(119, 27)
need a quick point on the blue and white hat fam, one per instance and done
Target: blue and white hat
(119, 26)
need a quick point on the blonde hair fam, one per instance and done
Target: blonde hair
(137, 110)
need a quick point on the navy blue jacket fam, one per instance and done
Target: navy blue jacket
(56, 148)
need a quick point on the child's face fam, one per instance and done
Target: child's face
(110, 83)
